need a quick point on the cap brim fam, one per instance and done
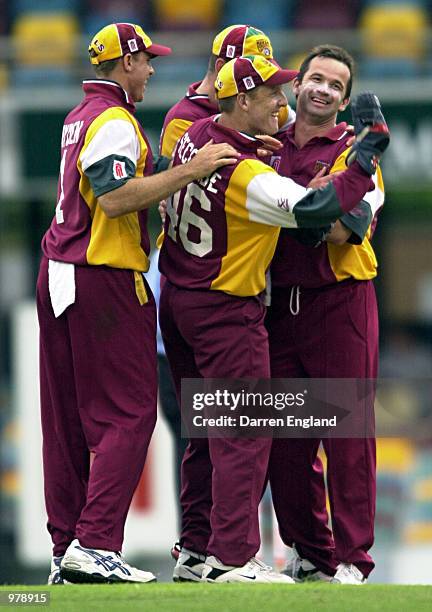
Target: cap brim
(282, 76)
(159, 50)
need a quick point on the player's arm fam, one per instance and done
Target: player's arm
(353, 226)
(109, 159)
(372, 138)
(141, 193)
(276, 200)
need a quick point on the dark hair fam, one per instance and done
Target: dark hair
(226, 105)
(332, 52)
(104, 69)
(212, 63)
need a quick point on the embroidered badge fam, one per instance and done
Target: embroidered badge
(119, 169)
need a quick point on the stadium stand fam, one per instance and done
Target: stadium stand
(101, 12)
(187, 15)
(44, 44)
(268, 16)
(336, 14)
(393, 38)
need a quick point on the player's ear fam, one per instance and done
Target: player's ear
(296, 87)
(344, 104)
(218, 64)
(243, 101)
(127, 62)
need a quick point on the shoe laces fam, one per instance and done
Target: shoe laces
(348, 569)
(260, 566)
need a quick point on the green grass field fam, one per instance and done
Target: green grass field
(231, 598)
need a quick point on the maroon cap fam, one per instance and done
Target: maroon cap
(117, 39)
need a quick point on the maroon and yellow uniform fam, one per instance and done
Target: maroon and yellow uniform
(98, 327)
(180, 117)
(220, 236)
(323, 323)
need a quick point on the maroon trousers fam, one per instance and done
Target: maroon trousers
(334, 335)
(209, 334)
(98, 387)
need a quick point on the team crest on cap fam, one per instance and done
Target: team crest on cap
(133, 45)
(263, 47)
(230, 52)
(248, 82)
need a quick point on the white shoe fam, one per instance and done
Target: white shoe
(254, 571)
(302, 570)
(189, 566)
(54, 577)
(81, 564)
(347, 573)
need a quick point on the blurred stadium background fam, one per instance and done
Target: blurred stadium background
(42, 61)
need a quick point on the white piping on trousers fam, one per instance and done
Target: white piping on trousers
(295, 294)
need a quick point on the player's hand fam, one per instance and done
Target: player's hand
(162, 207)
(270, 145)
(320, 180)
(211, 157)
(351, 140)
(372, 133)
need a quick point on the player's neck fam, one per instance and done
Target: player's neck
(207, 87)
(234, 122)
(307, 128)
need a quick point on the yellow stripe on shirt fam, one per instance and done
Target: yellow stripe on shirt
(114, 242)
(172, 134)
(250, 245)
(355, 260)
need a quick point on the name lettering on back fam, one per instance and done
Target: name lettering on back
(71, 133)
(186, 149)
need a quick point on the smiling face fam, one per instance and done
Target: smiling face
(263, 105)
(322, 92)
(138, 75)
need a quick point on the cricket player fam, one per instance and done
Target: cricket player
(220, 236)
(200, 100)
(323, 323)
(97, 315)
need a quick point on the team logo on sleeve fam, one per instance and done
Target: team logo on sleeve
(119, 169)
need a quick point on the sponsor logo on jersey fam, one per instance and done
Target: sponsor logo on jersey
(119, 169)
(249, 82)
(132, 44)
(283, 203)
(275, 161)
(319, 165)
